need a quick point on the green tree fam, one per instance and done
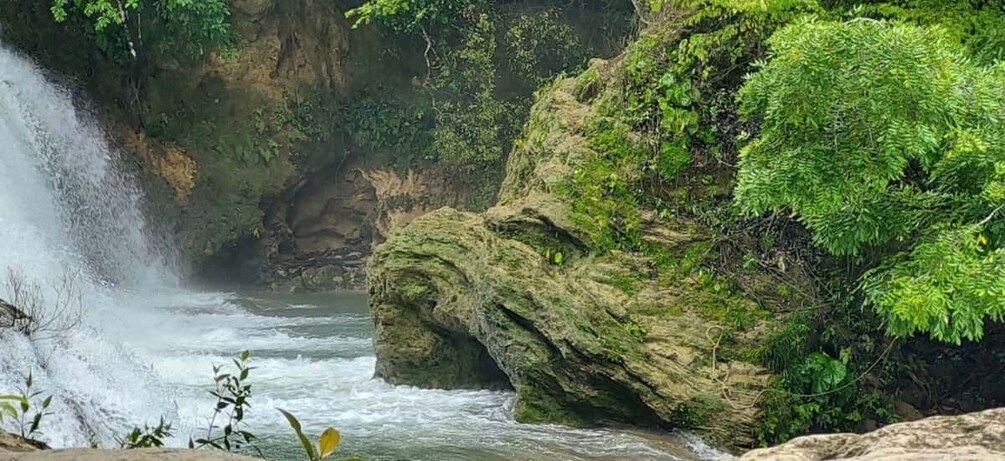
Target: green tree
(885, 138)
(411, 16)
(469, 116)
(193, 27)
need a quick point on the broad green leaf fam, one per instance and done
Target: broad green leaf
(295, 424)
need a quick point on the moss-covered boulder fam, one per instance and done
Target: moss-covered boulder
(522, 295)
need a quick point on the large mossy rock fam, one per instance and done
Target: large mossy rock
(464, 300)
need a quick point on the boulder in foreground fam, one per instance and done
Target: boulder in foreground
(974, 437)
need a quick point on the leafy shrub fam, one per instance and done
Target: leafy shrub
(147, 437)
(978, 25)
(195, 28)
(541, 46)
(232, 393)
(881, 136)
(412, 15)
(24, 408)
(819, 394)
(327, 442)
(469, 118)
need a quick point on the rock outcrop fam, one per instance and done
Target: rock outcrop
(319, 239)
(11, 316)
(515, 297)
(974, 436)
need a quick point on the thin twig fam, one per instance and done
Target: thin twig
(125, 24)
(992, 215)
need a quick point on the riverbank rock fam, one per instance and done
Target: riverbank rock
(145, 454)
(974, 436)
(11, 316)
(10, 443)
(518, 296)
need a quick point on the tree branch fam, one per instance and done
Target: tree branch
(992, 215)
(125, 24)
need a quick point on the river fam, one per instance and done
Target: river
(146, 345)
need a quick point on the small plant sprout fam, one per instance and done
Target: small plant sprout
(20, 406)
(327, 442)
(232, 393)
(147, 437)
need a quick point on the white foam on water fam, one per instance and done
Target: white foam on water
(146, 347)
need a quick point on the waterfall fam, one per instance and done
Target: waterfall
(67, 208)
(145, 347)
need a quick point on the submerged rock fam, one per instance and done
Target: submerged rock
(974, 436)
(462, 300)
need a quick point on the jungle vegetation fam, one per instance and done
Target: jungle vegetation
(873, 127)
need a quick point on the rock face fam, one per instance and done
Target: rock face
(974, 436)
(145, 454)
(464, 300)
(319, 239)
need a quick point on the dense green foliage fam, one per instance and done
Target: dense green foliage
(876, 125)
(165, 26)
(416, 15)
(882, 135)
(469, 118)
(147, 436)
(484, 60)
(667, 119)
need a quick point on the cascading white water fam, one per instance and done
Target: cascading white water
(146, 346)
(66, 208)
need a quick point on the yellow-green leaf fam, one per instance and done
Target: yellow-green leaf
(328, 442)
(295, 424)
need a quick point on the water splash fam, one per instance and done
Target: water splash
(67, 207)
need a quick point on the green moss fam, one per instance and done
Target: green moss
(602, 188)
(589, 85)
(413, 291)
(674, 309)
(720, 300)
(627, 282)
(547, 241)
(700, 410)
(537, 405)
